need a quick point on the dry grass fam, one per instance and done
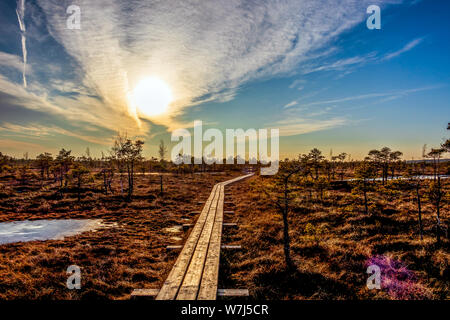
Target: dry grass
(113, 261)
(331, 241)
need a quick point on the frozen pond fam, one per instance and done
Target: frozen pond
(18, 231)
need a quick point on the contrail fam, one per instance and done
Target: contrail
(20, 16)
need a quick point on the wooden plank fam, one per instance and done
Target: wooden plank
(229, 224)
(173, 282)
(210, 277)
(209, 282)
(144, 293)
(138, 293)
(191, 282)
(224, 247)
(225, 183)
(174, 247)
(231, 247)
(233, 293)
(196, 268)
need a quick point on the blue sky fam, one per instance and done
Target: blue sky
(310, 68)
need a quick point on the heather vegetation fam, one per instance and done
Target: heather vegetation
(308, 232)
(311, 237)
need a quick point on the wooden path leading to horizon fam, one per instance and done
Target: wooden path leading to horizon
(195, 273)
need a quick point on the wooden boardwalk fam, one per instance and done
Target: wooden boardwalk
(195, 273)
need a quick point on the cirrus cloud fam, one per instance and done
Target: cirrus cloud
(205, 50)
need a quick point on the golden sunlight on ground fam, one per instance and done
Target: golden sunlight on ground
(151, 96)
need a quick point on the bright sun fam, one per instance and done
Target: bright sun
(152, 96)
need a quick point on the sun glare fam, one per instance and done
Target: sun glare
(152, 96)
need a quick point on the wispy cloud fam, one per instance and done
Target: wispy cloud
(15, 146)
(297, 84)
(38, 131)
(291, 104)
(11, 60)
(20, 11)
(84, 109)
(349, 64)
(300, 125)
(204, 50)
(300, 118)
(409, 46)
(341, 64)
(389, 94)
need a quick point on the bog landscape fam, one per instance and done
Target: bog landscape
(308, 232)
(224, 150)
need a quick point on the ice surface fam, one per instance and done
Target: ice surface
(27, 230)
